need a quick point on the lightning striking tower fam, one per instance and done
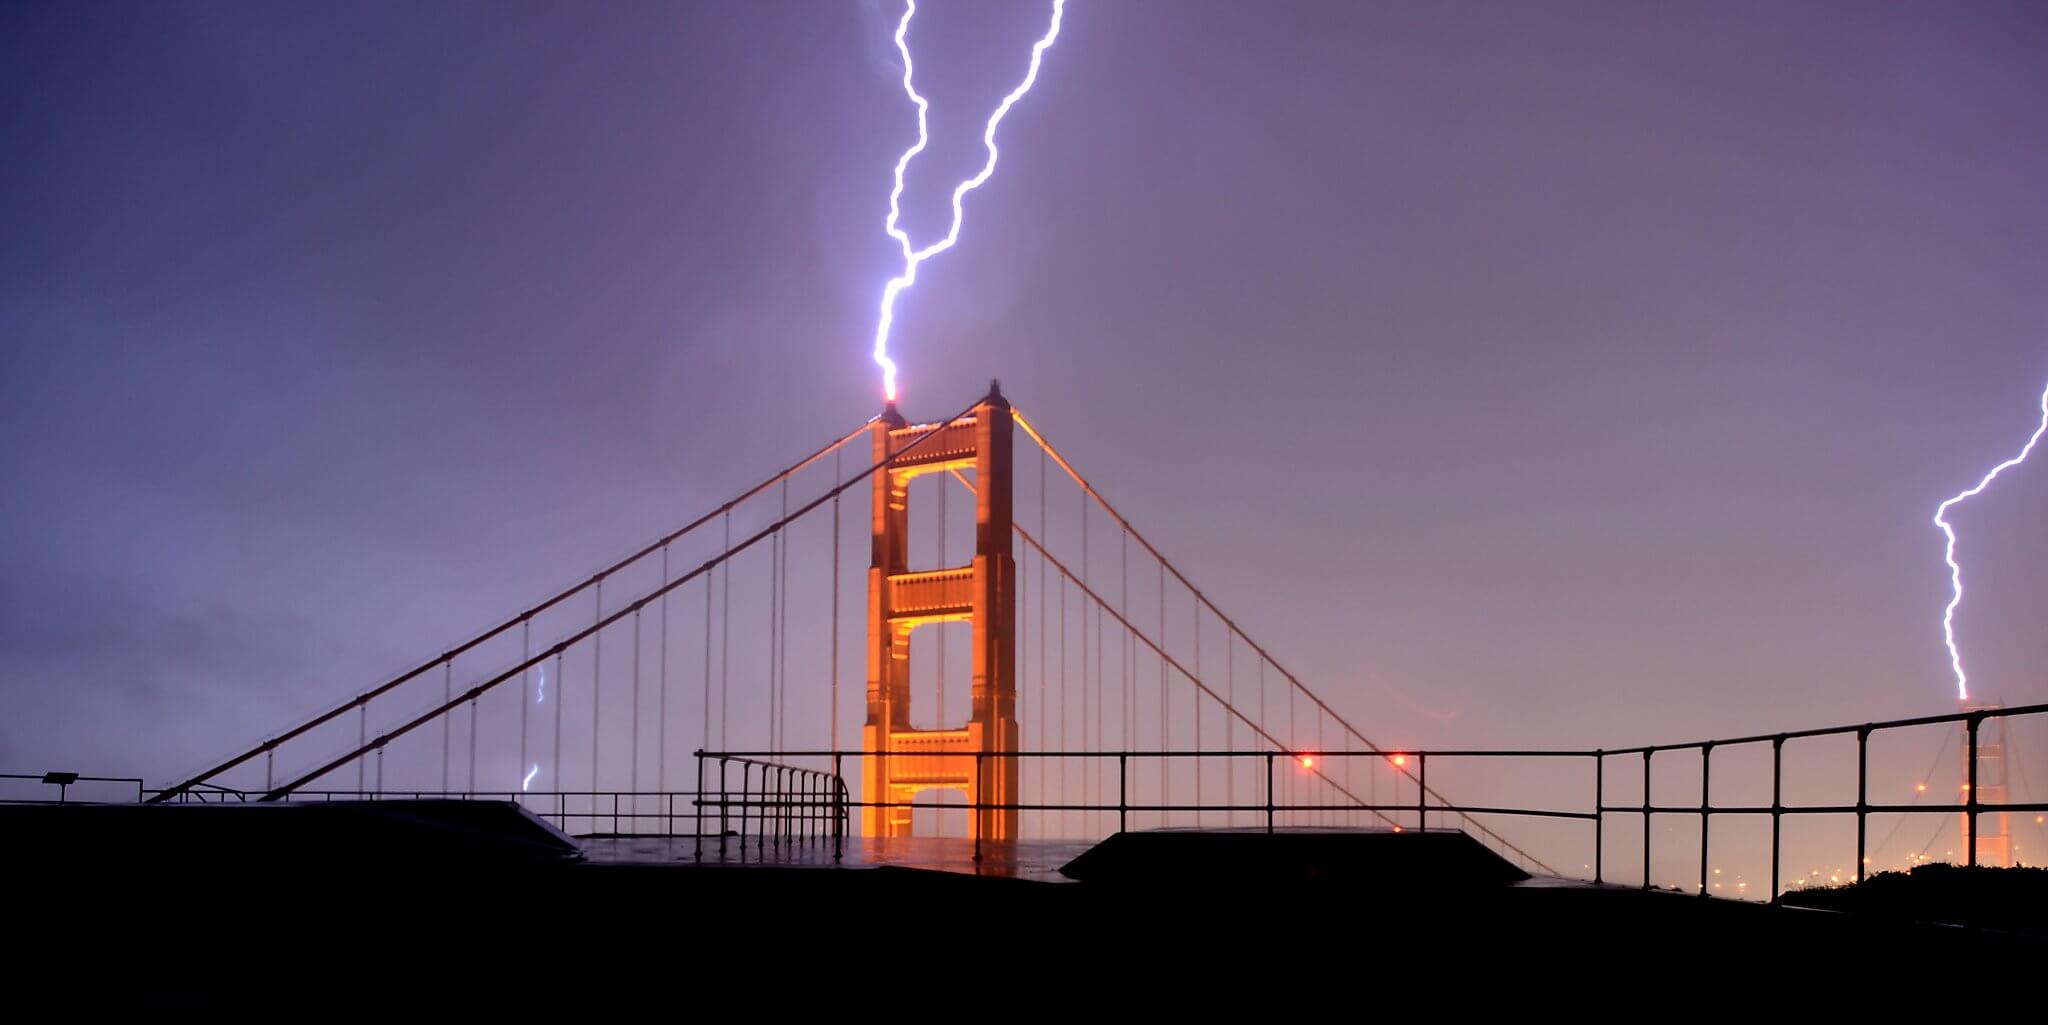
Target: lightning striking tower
(912, 256)
(1955, 571)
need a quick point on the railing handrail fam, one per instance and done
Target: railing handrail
(2005, 711)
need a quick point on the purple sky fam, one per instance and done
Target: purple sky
(1551, 374)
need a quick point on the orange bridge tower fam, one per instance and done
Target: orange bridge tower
(979, 757)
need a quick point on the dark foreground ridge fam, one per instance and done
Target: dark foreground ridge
(398, 905)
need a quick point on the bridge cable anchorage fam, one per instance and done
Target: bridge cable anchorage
(591, 631)
(1166, 566)
(362, 700)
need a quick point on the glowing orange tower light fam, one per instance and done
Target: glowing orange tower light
(1994, 838)
(978, 758)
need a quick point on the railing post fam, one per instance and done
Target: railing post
(1269, 791)
(1646, 817)
(699, 802)
(838, 808)
(1421, 793)
(1122, 802)
(1706, 810)
(1777, 807)
(722, 818)
(1970, 805)
(980, 791)
(1599, 812)
(1862, 793)
(746, 787)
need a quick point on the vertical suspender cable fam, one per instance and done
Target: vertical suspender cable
(1087, 765)
(661, 735)
(1123, 601)
(1024, 667)
(1044, 708)
(1195, 698)
(939, 669)
(1165, 723)
(634, 748)
(1325, 763)
(447, 692)
(525, 688)
(1100, 784)
(561, 696)
(1230, 728)
(1262, 724)
(1065, 814)
(725, 645)
(596, 693)
(782, 633)
(704, 725)
(836, 480)
(774, 603)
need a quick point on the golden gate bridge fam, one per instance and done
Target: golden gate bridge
(700, 687)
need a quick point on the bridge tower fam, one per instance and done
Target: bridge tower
(1994, 833)
(979, 757)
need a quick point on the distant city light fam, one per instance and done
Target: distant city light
(1308, 762)
(1400, 760)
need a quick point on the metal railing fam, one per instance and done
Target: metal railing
(783, 803)
(761, 798)
(770, 805)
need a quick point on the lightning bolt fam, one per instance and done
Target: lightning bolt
(912, 257)
(1955, 572)
(540, 697)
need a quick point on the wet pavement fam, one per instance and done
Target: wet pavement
(1025, 859)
